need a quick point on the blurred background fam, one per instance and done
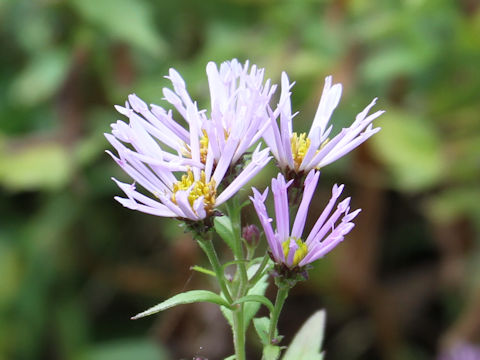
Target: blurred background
(75, 265)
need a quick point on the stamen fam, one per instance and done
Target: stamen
(198, 188)
(299, 144)
(300, 253)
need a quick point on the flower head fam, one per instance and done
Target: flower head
(288, 246)
(184, 167)
(237, 119)
(194, 195)
(302, 152)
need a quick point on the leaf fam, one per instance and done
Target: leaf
(184, 298)
(223, 227)
(271, 352)
(250, 308)
(127, 20)
(202, 270)
(306, 345)
(411, 151)
(41, 78)
(262, 327)
(256, 298)
(35, 166)
(125, 349)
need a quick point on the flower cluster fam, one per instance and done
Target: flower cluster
(153, 148)
(184, 167)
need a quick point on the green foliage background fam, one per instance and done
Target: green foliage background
(75, 265)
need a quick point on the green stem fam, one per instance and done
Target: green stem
(259, 273)
(207, 246)
(238, 314)
(234, 214)
(279, 301)
(239, 333)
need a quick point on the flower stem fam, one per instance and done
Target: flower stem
(259, 273)
(239, 333)
(207, 246)
(282, 294)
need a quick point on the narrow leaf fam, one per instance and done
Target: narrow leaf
(185, 298)
(256, 298)
(202, 270)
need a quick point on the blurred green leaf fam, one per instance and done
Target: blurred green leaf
(410, 148)
(125, 349)
(39, 166)
(11, 270)
(41, 78)
(306, 345)
(126, 20)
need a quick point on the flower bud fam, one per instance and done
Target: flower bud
(251, 234)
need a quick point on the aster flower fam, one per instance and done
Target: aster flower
(301, 152)
(289, 247)
(194, 197)
(237, 119)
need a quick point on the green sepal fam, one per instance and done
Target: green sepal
(306, 344)
(224, 229)
(188, 297)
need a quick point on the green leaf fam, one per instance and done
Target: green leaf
(411, 150)
(271, 352)
(41, 78)
(223, 227)
(251, 307)
(202, 270)
(130, 21)
(256, 298)
(306, 345)
(37, 166)
(262, 327)
(125, 349)
(188, 297)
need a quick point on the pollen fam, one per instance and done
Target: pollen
(300, 253)
(299, 144)
(198, 188)
(187, 152)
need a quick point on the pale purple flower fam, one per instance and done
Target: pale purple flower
(237, 119)
(288, 246)
(303, 152)
(153, 147)
(193, 197)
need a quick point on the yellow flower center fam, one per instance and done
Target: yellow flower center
(200, 188)
(300, 253)
(299, 144)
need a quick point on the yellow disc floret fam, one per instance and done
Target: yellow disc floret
(198, 188)
(300, 253)
(299, 144)
(187, 152)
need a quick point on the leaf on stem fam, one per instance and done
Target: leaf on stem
(223, 227)
(256, 298)
(188, 297)
(202, 270)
